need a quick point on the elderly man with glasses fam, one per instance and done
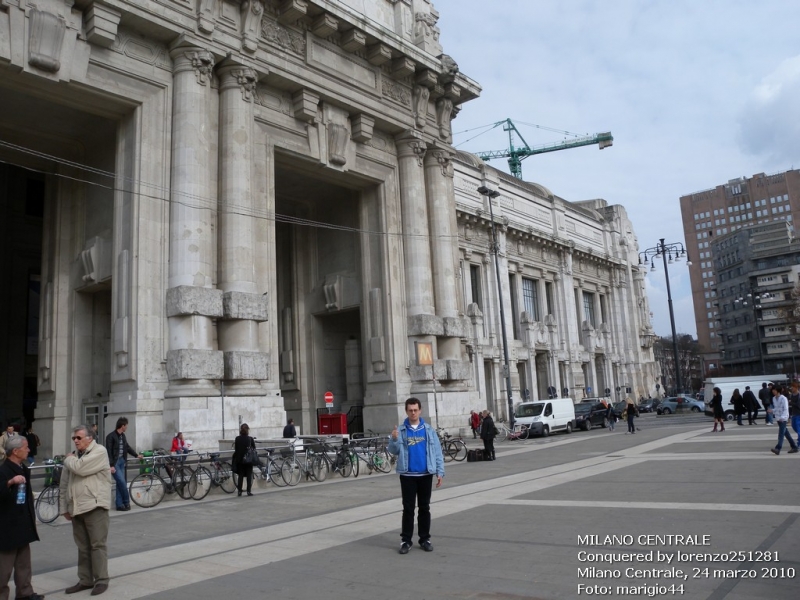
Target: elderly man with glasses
(17, 521)
(85, 499)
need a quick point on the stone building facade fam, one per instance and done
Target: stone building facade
(218, 210)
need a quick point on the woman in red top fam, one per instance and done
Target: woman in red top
(179, 445)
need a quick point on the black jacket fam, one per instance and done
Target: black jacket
(487, 428)
(112, 447)
(17, 521)
(750, 402)
(240, 446)
(290, 431)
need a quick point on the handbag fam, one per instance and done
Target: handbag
(250, 457)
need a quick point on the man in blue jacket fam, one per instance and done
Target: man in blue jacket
(419, 458)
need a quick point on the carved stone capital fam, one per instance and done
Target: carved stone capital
(193, 59)
(232, 76)
(443, 157)
(411, 145)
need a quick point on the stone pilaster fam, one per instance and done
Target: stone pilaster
(443, 241)
(419, 284)
(192, 361)
(243, 306)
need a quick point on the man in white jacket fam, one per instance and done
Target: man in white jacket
(780, 410)
(85, 499)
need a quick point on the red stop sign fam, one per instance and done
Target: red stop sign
(328, 397)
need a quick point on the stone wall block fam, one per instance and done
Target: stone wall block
(425, 325)
(194, 364)
(458, 370)
(245, 365)
(243, 305)
(190, 300)
(457, 327)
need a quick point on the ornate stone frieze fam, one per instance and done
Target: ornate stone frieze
(252, 11)
(420, 106)
(142, 50)
(276, 34)
(395, 91)
(45, 39)
(274, 100)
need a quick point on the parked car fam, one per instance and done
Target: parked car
(590, 412)
(619, 408)
(649, 405)
(670, 406)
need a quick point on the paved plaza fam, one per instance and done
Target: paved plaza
(687, 513)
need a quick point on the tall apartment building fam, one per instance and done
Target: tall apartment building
(715, 212)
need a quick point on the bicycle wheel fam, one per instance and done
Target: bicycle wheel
(381, 461)
(225, 474)
(448, 450)
(147, 489)
(355, 460)
(180, 481)
(343, 463)
(200, 483)
(460, 450)
(275, 467)
(319, 467)
(524, 432)
(47, 504)
(291, 471)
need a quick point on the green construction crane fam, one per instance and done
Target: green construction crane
(515, 156)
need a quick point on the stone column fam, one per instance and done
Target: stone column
(243, 306)
(416, 248)
(192, 362)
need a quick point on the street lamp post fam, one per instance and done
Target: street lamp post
(491, 195)
(675, 251)
(794, 365)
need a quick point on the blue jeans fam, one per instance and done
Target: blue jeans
(784, 432)
(123, 498)
(770, 418)
(796, 427)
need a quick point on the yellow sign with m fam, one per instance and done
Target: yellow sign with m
(424, 353)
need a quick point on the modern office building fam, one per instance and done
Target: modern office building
(757, 273)
(217, 211)
(715, 212)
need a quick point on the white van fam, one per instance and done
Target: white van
(544, 417)
(728, 384)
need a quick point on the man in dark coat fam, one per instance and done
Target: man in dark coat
(118, 450)
(488, 435)
(17, 521)
(765, 395)
(750, 405)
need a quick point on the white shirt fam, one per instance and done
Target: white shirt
(780, 408)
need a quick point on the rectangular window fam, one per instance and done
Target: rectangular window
(475, 283)
(548, 296)
(512, 286)
(530, 297)
(588, 308)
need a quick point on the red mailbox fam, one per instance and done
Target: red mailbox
(332, 424)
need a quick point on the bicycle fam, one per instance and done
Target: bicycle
(340, 463)
(376, 459)
(149, 488)
(452, 448)
(509, 436)
(203, 478)
(269, 469)
(46, 505)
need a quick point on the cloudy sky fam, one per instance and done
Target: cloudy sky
(694, 92)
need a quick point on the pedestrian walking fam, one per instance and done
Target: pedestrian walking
(781, 413)
(17, 521)
(474, 423)
(85, 499)
(719, 413)
(765, 396)
(631, 412)
(488, 433)
(419, 459)
(794, 409)
(750, 405)
(738, 405)
(33, 444)
(241, 444)
(611, 417)
(118, 449)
